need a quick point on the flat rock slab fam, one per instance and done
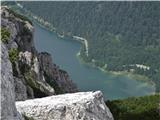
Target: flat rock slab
(75, 106)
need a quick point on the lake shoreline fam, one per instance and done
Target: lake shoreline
(46, 25)
(83, 41)
(137, 77)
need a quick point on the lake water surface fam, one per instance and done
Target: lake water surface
(87, 78)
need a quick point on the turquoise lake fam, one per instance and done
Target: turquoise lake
(87, 78)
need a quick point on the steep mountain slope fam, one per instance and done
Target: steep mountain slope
(35, 75)
(8, 109)
(121, 36)
(28, 74)
(136, 108)
(18, 57)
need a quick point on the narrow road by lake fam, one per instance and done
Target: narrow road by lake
(87, 78)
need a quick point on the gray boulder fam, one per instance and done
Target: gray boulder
(75, 106)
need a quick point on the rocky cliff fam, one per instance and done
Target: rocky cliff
(27, 74)
(8, 109)
(34, 74)
(75, 106)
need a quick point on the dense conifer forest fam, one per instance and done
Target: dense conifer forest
(122, 35)
(136, 108)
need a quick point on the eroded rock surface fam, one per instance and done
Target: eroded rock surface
(8, 109)
(35, 74)
(27, 74)
(75, 106)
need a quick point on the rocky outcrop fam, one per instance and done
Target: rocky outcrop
(8, 109)
(75, 106)
(28, 74)
(54, 75)
(20, 88)
(35, 75)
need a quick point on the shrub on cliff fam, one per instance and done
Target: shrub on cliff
(27, 118)
(5, 34)
(13, 54)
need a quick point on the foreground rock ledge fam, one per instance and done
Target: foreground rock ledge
(75, 106)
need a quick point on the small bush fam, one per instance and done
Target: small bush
(27, 118)
(5, 34)
(38, 90)
(53, 84)
(13, 54)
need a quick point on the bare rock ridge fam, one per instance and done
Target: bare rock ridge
(27, 74)
(75, 106)
(35, 75)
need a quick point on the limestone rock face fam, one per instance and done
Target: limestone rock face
(54, 74)
(20, 88)
(75, 106)
(8, 108)
(35, 74)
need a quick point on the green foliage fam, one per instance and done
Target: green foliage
(27, 118)
(31, 81)
(18, 15)
(118, 33)
(13, 54)
(136, 108)
(4, 3)
(5, 34)
(53, 84)
(25, 31)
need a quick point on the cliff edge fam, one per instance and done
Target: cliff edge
(28, 74)
(75, 106)
(35, 75)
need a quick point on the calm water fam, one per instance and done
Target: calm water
(87, 78)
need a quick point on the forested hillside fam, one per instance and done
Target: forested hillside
(136, 108)
(123, 35)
